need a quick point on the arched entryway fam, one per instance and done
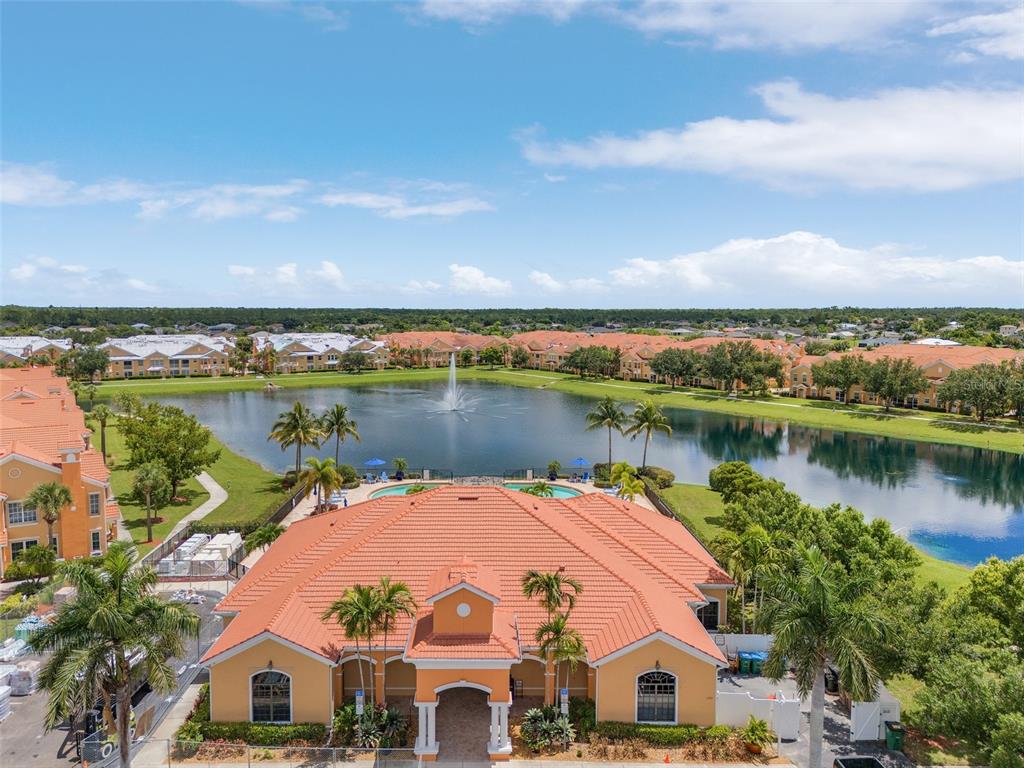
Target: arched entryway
(463, 724)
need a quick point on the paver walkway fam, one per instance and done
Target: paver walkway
(463, 726)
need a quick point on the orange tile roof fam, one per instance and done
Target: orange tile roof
(633, 345)
(444, 339)
(463, 572)
(638, 569)
(501, 643)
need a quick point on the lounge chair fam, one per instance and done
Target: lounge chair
(369, 478)
(586, 477)
(613, 491)
(383, 477)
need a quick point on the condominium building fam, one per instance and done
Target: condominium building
(44, 439)
(435, 348)
(136, 357)
(297, 352)
(19, 350)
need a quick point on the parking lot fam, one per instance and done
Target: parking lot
(24, 742)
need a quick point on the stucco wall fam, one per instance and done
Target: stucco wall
(722, 595)
(695, 684)
(427, 680)
(532, 675)
(447, 619)
(312, 696)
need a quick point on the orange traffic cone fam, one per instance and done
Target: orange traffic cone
(667, 761)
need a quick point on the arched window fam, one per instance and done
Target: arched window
(271, 697)
(656, 697)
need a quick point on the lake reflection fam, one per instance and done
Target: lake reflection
(962, 504)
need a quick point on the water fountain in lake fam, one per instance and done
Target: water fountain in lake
(455, 397)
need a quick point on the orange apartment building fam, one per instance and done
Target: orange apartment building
(430, 349)
(935, 362)
(44, 439)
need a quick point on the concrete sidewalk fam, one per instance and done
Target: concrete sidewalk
(217, 497)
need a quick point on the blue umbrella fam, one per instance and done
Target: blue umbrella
(374, 463)
(580, 462)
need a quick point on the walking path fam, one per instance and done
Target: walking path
(217, 497)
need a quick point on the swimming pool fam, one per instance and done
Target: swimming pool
(560, 491)
(399, 490)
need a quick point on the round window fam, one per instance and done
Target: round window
(463, 609)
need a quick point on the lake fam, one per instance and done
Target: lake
(960, 504)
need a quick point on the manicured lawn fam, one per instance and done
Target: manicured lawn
(134, 514)
(253, 492)
(701, 510)
(900, 423)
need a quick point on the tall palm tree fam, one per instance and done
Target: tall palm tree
(114, 616)
(102, 414)
(729, 550)
(319, 475)
(358, 613)
(298, 427)
(336, 423)
(607, 415)
(816, 614)
(554, 588)
(394, 599)
(152, 484)
(263, 536)
(557, 640)
(48, 500)
(647, 418)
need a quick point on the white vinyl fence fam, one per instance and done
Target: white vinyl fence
(781, 714)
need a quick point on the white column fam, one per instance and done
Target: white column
(421, 732)
(504, 742)
(495, 743)
(426, 744)
(431, 723)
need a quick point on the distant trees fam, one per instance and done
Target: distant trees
(83, 363)
(676, 365)
(152, 486)
(594, 361)
(492, 356)
(986, 389)
(466, 357)
(353, 361)
(519, 358)
(242, 354)
(842, 373)
(892, 380)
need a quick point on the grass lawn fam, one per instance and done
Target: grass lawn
(134, 514)
(701, 510)
(867, 419)
(253, 492)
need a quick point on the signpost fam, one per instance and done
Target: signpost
(359, 703)
(564, 695)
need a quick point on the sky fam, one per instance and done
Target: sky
(489, 154)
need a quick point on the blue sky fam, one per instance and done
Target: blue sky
(513, 154)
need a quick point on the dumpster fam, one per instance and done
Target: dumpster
(894, 732)
(744, 664)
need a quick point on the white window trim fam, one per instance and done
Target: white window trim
(12, 542)
(99, 504)
(271, 722)
(675, 698)
(7, 509)
(710, 600)
(98, 550)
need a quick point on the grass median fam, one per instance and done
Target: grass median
(898, 423)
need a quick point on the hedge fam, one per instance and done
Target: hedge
(661, 735)
(256, 734)
(663, 478)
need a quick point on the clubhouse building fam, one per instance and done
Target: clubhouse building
(650, 596)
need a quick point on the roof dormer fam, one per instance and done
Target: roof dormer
(463, 597)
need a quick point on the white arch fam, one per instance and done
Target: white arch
(675, 695)
(531, 657)
(260, 672)
(462, 684)
(396, 657)
(355, 657)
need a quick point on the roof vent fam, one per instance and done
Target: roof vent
(468, 498)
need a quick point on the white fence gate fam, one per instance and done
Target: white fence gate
(867, 718)
(781, 714)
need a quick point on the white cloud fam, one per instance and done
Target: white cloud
(331, 274)
(240, 270)
(549, 284)
(397, 207)
(45, 275)
(553, 178)
(922, 139)
(420, 286)
(807, 269)
(286, 274)
(470, 279)
(480, 13)
(330, 19)
(808, 24)
(988, 34)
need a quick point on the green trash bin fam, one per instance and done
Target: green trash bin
(894, 733)
(744, 664)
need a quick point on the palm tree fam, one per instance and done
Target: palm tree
(729, 549)
(816, 614)
(337, 423)
(630, 486)
(102, 414)
(560, 642)
(607, 415)
(554, 589)
(48, 500)
(647, 418)
(152, 484)
(114, 617)
(394, 599)
(297, 427)
(358, 614)
(90, 392)
(263, 536)
(319, 475)
(540, 488)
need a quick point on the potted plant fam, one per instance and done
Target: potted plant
(756, 735)
(400, 466)
(554, 467)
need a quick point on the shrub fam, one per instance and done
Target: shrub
(545, 727)
(602, 471)
(379, 727)
(756, 732)
(348, 473)
(735, 479)
(17, 606)
(258, 734)
(583, 715)
(663, 478)
(1008, 742)
(661, 735)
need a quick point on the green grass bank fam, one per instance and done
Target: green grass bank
(899, 423)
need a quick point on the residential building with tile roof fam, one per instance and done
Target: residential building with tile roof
(298, 352)
(44, 439)
(432, 349)
(18, 350)
(650, 595)
(160, 356)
